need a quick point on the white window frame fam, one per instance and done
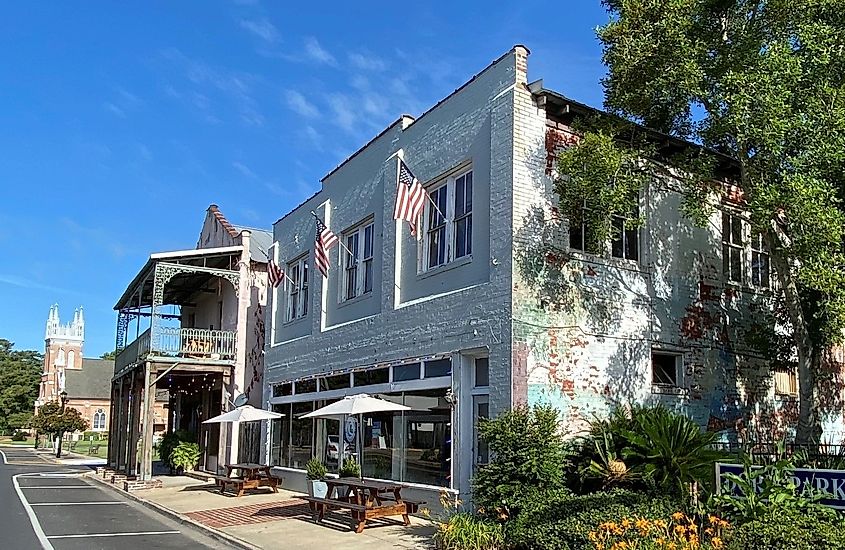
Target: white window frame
(98, 426)
(296, 289)
(728, 245)
(760, 256)
(450, 222)
(355, 265)
(679, 368)
(606, 248)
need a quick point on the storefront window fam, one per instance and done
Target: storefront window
(428, 438)
(302, 435)
(412, 446)
(280, 436)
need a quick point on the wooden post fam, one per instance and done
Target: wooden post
(132, 439)
(114, 402)
(147, 432)
(120, 428)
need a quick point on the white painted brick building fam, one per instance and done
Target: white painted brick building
(494, 305)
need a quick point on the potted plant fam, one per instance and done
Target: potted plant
(316, 472)
(350, 468)
(185, 456)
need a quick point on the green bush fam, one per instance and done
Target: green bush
(562, 521)
(19, 436)
(315, 470)
(644, 447)
(815, 530)
(170, 441)
(465, 531)
(528, 458)
(767, 491)
(350, 468)
(185, 456)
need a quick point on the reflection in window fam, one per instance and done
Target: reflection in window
(413, 446)
(302, 435)
(280, 436)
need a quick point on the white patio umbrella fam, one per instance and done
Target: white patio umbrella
(246, 413)
(359, 405)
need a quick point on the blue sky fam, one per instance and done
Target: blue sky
(122, 122)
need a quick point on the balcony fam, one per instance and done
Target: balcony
(190, 344)
(173, 293)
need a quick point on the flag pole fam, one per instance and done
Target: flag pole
(339, 240)
(275, 259)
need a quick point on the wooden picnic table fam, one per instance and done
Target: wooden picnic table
(251, 476)
(365, 500)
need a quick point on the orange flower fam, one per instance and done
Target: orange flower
(717, 542)
(680, 529)
(678, 516)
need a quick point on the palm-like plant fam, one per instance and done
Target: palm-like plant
(669, 448)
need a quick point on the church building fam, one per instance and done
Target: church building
(87, 381)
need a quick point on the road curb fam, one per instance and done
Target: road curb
(180, 518)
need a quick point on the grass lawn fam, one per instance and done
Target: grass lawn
(83, 448)
(5, 440)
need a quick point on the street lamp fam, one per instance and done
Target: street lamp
(63, 398)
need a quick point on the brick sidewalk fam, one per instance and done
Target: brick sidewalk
(252, 513)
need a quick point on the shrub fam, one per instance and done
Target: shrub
(815, 530)
(466, 531)
(315, 470)
(170, 441)
(645, 446)
(19, 436)
(766, 491)
(185, 456)
(528, 458)
(562, 521)
(350, 468)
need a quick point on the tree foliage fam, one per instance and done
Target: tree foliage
(528, 457)
(20, 375)
(759, 82)
(51, 420)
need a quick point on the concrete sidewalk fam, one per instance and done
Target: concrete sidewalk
(263, 519)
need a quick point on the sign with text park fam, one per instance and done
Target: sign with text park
(831, 482)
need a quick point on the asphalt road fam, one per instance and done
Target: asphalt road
(52, 507)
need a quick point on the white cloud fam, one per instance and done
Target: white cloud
(262, 28)
(344, 113)
(315, 52)
(367, 62)
(314, 138)
(114, 109)
(244, 170)
(300, 105)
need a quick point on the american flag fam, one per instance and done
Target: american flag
(323, 241)
(410, 197)
(275, 274)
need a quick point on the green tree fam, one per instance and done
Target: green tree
(20, 375)
(51, 420)
(108, 355)
(761, 85)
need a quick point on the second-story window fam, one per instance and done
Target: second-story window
(298, 288)
(759, 262)
(732, 247)
(626, 238)
(448, 222)
(358, 261)
(580, 235)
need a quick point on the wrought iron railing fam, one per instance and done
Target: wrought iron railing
(821, 455)
(197, 342)
(194, 343)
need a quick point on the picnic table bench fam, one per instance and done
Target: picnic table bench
(252, 476)
(93, 450)
(365, 500)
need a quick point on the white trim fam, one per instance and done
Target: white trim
(196, 252)
(386, 387)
